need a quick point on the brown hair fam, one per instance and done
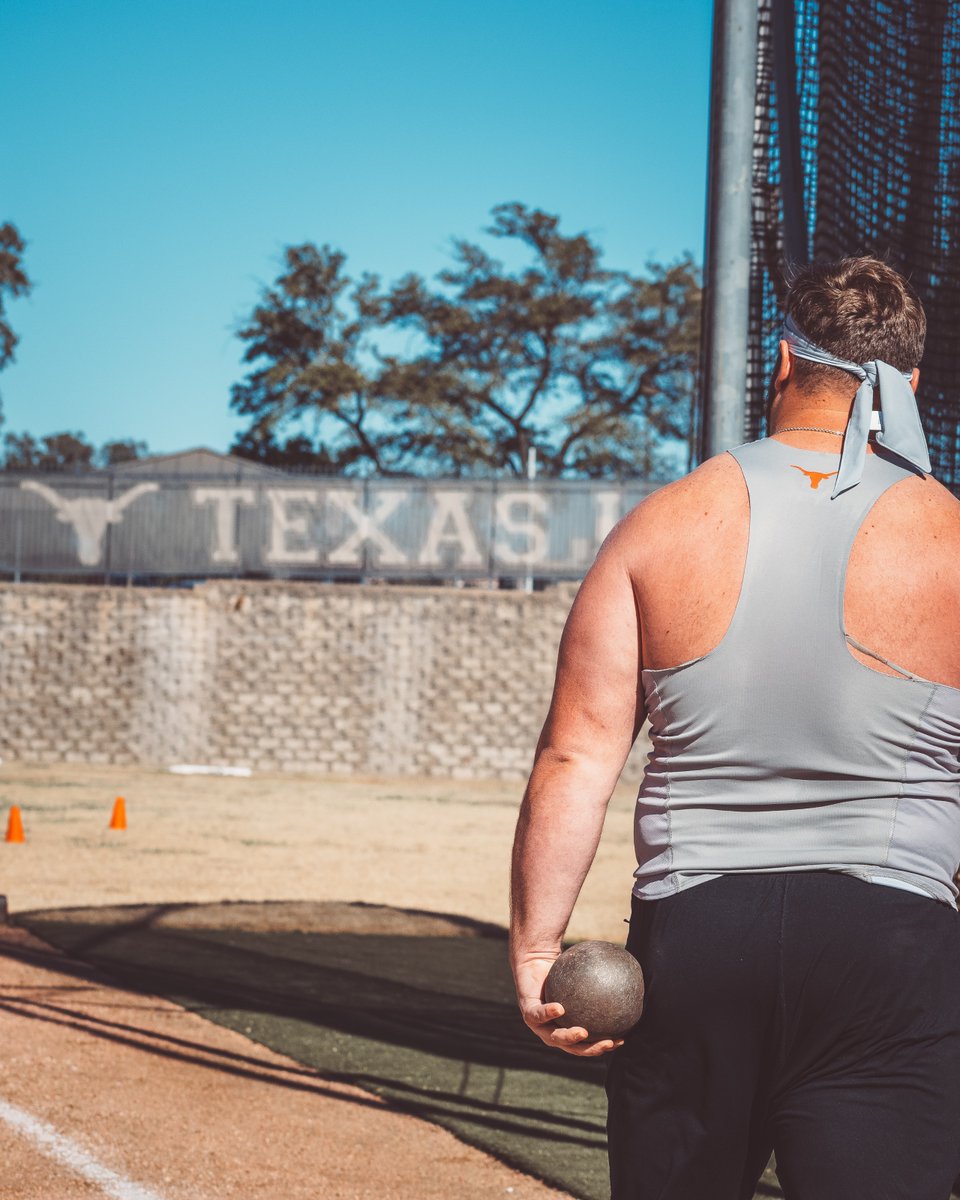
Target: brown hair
(858, 309)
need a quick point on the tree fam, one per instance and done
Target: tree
(21, 452)
(55, 452)
(593, 368)
(498, 347)
(296, 453)
(111, 454)
(13, 282)
(309, 331)
(66, 452)
(640, 388)
(70, 452)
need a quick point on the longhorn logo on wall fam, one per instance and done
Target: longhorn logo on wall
(184, 527)
(89, 515)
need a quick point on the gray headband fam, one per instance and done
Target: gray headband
(901, 433)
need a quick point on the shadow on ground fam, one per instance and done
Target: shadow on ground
(414, 1007)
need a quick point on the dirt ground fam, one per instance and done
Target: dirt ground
(410, 843)
(132, 1097)
(166, 1106)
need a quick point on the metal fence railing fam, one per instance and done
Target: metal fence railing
(104, 525)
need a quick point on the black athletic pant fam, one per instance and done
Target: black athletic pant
(807, 1013)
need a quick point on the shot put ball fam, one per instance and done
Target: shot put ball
(600, 987)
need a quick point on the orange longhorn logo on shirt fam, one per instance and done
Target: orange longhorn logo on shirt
(815, 477)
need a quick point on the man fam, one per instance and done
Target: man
(786, 616)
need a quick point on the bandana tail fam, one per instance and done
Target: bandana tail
(902, 432)
(854, 452)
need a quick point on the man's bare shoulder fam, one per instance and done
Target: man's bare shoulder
(919, 519)
(932, 494)
(718, 481)
(903, 579)
(713, 480)
(923, 503)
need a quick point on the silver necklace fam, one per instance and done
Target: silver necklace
(809, 429)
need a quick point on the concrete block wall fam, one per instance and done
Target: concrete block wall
(282, 676)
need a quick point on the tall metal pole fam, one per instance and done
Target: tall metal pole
(727, 258)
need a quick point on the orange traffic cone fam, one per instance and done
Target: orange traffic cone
(15, 825)
(118, 819)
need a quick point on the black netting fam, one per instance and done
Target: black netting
(877, 87)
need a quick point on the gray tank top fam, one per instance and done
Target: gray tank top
(778, 750)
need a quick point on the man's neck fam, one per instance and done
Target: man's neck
(820, 411)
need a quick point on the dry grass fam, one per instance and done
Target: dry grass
(413, 843)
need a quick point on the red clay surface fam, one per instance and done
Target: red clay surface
(192, 1111)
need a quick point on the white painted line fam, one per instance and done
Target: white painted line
(205, 769)
(70, 1155)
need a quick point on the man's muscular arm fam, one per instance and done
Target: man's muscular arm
(594, 717)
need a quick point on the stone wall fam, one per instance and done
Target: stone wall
(280, 676)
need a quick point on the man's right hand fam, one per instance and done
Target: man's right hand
(529, 975)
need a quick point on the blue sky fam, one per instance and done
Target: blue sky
(158, 156)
